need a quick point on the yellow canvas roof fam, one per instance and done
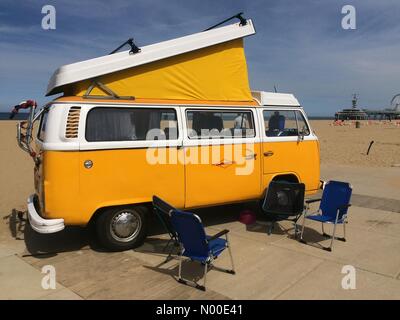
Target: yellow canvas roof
(210, 65)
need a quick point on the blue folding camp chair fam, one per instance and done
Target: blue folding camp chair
(333, 208)
(163, 211)
(197, 246)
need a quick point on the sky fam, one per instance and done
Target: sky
(300, 46)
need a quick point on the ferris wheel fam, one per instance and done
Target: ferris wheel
(395, 103)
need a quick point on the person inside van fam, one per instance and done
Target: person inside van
(241, 124)
(208, 123)
(241, 121)
(276, 124)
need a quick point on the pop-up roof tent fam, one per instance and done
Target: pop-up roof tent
(210, 65)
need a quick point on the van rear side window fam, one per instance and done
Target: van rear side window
(131, 124)
(205, 124)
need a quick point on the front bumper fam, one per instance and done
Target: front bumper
(42, 225)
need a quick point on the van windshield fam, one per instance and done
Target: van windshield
(42, 126)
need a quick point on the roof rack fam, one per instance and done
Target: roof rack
(243, 21)
(134, 48)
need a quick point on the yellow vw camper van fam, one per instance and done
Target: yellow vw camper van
(177, 120)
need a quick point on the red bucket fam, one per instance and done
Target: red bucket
(247, 217)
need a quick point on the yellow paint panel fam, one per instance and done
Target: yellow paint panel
(226, 178)
(124, 176)
(300, 158)
(218, 72)
(61, 186)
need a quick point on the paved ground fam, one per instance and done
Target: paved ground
(268, 267)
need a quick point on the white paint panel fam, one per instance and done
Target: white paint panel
(275, 99)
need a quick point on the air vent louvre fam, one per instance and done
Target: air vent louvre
(71, 130)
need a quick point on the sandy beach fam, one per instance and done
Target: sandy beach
(348, 145)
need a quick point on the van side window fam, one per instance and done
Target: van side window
(131, 124)
(205, 124)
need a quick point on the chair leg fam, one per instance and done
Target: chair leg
(271, 227)
(296, 229)
(333, 238)
(344, 230)
(344, 233)
(230, 255)
(302, 230)
(180, 270)
(203, 287)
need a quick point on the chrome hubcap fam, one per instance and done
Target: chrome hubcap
(125, 225)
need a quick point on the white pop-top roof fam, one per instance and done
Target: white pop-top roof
(88, 69)
(275, 99)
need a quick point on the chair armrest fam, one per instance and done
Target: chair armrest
(218, 235)
(312, 200)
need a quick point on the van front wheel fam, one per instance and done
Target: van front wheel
(121, 229)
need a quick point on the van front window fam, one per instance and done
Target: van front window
(284, 123)
(131, 124)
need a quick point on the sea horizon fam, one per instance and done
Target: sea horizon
(24, 116)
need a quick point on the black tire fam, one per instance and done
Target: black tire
(107, 232)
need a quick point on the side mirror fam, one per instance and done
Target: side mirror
(304, 132)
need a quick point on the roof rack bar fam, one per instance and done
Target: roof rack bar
(110, 94)
(134, 48)
(243, 21)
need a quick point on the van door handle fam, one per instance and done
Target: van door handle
(268, 153)
(224, 163)
(251, 156)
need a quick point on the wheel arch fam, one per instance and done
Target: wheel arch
(98, 212)
(289, 177)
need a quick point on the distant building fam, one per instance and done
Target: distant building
(355, 113)
(352, 113)
(389, 113)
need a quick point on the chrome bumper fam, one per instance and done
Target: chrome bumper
(42, 225)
